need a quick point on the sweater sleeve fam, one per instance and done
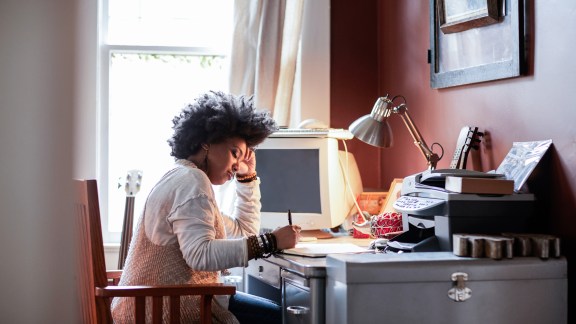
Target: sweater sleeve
(245, 218)
(193, 224)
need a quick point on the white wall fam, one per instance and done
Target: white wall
(40, 81)
(86, 119)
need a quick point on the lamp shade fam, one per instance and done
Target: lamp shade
(371, 131)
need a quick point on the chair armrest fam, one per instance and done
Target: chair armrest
(166, 290)
(205, 291)
(113, 276)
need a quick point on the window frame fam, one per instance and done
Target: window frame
(311, 95)
(103, 139)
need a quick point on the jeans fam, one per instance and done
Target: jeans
(253, 309)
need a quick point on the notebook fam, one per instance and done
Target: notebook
(317, 250)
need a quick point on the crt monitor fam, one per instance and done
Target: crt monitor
(308, 176)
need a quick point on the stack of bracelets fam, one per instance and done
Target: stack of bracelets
(262, 246)
(247, 178)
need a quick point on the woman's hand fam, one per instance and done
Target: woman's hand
(287, 236)
(248, 165)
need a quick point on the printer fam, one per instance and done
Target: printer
(432, 214)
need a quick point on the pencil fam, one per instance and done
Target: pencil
(289, 218)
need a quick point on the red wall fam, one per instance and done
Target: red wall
(354, 77)
(538, 106)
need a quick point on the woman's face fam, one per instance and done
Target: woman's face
(224, 159)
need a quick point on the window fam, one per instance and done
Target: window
(156, 56)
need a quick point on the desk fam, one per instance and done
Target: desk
(297, 283)
(413, 288)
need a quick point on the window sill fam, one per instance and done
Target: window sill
(111, 251)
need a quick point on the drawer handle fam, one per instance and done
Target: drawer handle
(297, 310)
(459, 292)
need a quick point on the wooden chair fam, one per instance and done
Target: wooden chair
(97, 286)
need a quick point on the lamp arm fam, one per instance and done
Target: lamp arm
(430, 156)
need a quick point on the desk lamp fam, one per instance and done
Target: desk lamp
(374, 129)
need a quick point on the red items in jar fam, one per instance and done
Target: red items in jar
(357, 234)
(389, 222)
(361, 220)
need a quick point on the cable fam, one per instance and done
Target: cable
(346, 178)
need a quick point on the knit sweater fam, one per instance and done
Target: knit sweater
(181, 237)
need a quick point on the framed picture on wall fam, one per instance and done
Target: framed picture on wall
(475, 41)
(459, 15)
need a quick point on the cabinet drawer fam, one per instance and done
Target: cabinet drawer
(297, 306)
(265, 271)
(303, 299)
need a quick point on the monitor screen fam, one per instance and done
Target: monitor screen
(300, 191)
(308, 176)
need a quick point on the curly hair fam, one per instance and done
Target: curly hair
(214, 117)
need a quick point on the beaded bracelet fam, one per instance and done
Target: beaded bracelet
(255, 247)
(247, 178)
(262, 246)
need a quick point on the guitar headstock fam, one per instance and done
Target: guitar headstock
(133, 182)
(468, 139)
(475, 139)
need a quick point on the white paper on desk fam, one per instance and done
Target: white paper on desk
(323, 249)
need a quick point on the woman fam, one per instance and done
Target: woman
(181, 236)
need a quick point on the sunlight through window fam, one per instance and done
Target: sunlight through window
(160, 56)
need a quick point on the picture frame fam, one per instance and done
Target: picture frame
(490, 51)
(372, 202)
(458, 15)
(393, 194)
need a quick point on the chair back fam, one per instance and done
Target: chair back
(97, 291)
(91, 252)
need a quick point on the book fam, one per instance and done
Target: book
(496, 186)
(316, 250)
(521, 160)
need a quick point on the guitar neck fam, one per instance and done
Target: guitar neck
(132, 187)
(126, 231)
(129, 209)
(456, 159)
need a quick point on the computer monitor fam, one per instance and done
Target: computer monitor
(310, 177)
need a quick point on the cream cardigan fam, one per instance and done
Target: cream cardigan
(182, 237)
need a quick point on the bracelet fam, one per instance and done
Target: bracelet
(271, 245)
(244, 177)
(272, 239)
(255, 247)
(263, 244)
(247, 178)
(268, 252)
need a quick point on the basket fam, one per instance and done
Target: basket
(381, 225)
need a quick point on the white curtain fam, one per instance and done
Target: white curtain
(264, 53)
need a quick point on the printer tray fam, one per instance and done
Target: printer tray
(414, 240)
